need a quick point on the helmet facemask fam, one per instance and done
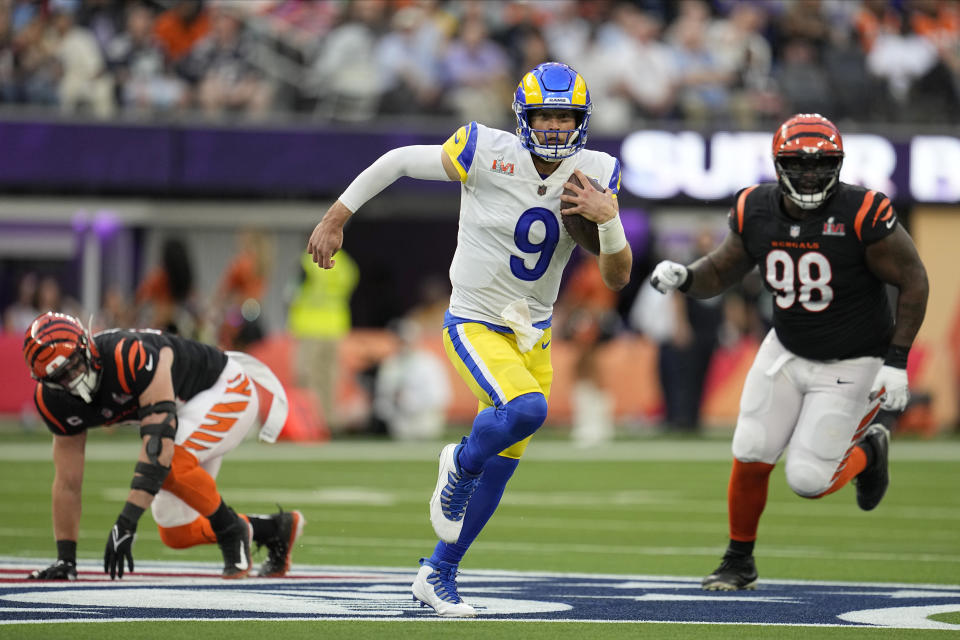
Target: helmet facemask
(75, 375)
(808, 179)
(568, 142)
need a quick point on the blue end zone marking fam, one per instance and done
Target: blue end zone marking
(170, 592)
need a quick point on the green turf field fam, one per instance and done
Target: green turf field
(644, 506)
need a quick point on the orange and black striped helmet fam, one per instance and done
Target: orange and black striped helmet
(808, 154)
(61, 354)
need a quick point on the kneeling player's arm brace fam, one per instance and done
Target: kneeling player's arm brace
(417, 161)
(150, 475)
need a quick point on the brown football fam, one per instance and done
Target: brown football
(583, 231)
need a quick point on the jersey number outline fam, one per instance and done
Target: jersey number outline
(813, 272)
(546, 247)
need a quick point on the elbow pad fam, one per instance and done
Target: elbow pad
(157, 431)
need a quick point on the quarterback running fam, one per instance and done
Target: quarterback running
(195, 403)
(511, 251)
(836, 354)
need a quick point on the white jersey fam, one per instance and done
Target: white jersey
(511, 244)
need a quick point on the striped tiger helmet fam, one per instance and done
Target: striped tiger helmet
(808, 154)
(62, 355)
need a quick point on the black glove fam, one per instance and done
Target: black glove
(59, 570)
(119, 547)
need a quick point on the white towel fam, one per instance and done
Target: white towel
(517, 317)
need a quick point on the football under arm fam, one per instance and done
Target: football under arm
(423, 162)
(68, 460)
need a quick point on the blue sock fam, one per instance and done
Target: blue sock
(482, 505)
(497, 428)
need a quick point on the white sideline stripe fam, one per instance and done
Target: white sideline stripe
(548, 548)
(651, 501)
(100, 448)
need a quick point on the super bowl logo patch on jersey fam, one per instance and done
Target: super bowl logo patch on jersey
(499, 166)
(833, 229)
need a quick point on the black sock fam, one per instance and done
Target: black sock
(264, 528)
(222, 519)
(740, 549)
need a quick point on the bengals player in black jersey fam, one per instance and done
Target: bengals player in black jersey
(835, 355)
(194, 403)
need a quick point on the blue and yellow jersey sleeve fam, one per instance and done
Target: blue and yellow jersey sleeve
(615, 177)
(462, 147)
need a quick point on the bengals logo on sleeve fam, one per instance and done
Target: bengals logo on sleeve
(135, 364)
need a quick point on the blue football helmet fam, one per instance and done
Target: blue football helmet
(552, 85)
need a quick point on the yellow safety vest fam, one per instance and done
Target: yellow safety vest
(321, 308)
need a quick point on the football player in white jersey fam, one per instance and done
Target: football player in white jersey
(511, 251)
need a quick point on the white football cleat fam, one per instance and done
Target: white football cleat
(454, 489)
(436, 587)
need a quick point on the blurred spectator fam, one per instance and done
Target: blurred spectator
(803, 82)
(873, 18)
(104, 18)
(409, 61)
(36, 66)
(477, 74)
(349, 61)
(164, 299)
(633, 79)
(236, 308)
(85, 82)
(220, 65)
(140, 66)
(687, 332)
(21, 313)
(180, 27)
(345, 75)
(704, 81)
(588, 318)
(319, 319)
(50, 298)
(899, 59)
(741, 48)
(933, 96)
(115, 311)
(412, 389)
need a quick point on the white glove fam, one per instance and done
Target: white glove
(891, 385)
(667, 276)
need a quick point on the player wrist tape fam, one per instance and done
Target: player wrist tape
(612, 237)
(897, 356)
(130, 516)
(67, 550)
(687, 282)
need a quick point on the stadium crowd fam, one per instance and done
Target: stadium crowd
(717, 63)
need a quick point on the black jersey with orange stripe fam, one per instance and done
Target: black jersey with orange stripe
(129, 360)
(827, 303)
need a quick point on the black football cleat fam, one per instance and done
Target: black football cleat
(872, 482)
(234, 544)
(733, 574)
(280, 547)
